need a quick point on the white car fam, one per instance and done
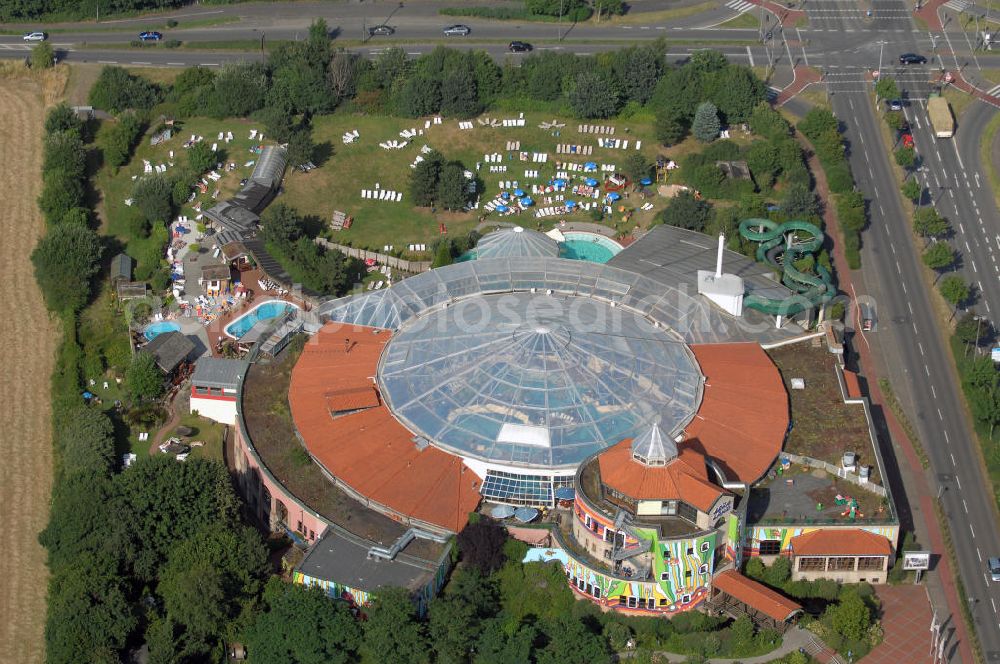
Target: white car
(35, 37)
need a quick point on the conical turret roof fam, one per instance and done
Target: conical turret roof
(652, 448)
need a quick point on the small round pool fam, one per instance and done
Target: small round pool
(263, 311)
(589, 247)
(156, 329)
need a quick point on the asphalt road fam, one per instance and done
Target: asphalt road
(908, 338)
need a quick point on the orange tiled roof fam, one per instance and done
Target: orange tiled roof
(369, 450)
(743, 417)
(683, 478)
(353, 398)
(840, 542)
(756, 595)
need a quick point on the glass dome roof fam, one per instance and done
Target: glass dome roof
(537, 380)
(516, 241)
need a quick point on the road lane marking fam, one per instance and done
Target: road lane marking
(961, 227)
(176, 64)
(972, 530)
(919, 345)
(946, 439)
(934, 392)
(965, 506)
(980, 556)
(952, 459)
(991, 599)
(975, 269)
(940, 416)
(142, 63)
(977, 180)
(958, 480)
(750, 55)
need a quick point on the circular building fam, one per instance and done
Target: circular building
(515, 241)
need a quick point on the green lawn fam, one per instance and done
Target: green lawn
(337, 184)
(206, 431)
(744, 20)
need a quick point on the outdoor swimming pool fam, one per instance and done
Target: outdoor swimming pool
(156, 329)
(588, 247)
(263, 311)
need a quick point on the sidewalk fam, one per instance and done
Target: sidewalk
(940, 581)
(802, 77)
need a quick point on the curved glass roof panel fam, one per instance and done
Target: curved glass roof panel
(675, 305)
(516, 241)
(535, 379)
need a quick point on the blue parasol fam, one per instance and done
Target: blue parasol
(502, 208)
(591, 182)
(527, 202)
(559, 182)
(590, 166)
(614, 196)
(645, 182)
(88, 395)
(519, 193)
(570, 204)
(504, 194)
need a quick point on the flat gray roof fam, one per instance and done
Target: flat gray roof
(219, 372)
(343, 559)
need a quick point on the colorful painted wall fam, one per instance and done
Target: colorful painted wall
(786, 533)
(682, 570)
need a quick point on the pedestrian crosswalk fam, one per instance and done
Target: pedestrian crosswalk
(957, 5)
(994, 91)
(740, 6)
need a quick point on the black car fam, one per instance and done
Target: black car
(384, 30)
(151, 35)
(519, 47)
(912, 59)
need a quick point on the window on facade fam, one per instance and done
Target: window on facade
(588, 521)
(703, 569)
(687, 574)
(608, 534)
(579, 584)
(215, 391)
(650, 603)
(690, 550)
(686, 599)
(871, 562)
(663, 601)
(597, 593)
(664, 576)
(841, 564)
(200, 389)
(668, 507)
(815, 564)
(607, 554)
(621, 599)
(687, 512)
(589, 589)
(706, 545)
(770, 547)
(632, 602)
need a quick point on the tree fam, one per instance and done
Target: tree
(768, 123)
(886, 88)
(637, 68)
(64, 150)
(481, 545)
(43, 56)
(117, 90)
(201, 157)
(443, 254)
(779, 572)
(617, 635)
(706, 123)
(278, 123)
(301, 147)
(594, 95)
(670, 128)
(851, 617)
(452, 628)
(121, 138)
(817, 121)
(65, 261)
(86, 442)
(686, 211)
(762, 159)
(911, 189)
(143, 379)
(972, 329)
(459, 94)
(743, 631)
(61, 192)
(392, 633)
(303, 625)
(939, 256)
(570, 642)
(152, 197)
(453, 188)
(954, 290)
(906, 157)
(927, 223)
(424, 180)
(799, 202)
(240, 89)
(636, 167)
(62, 118)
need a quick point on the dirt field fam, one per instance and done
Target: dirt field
(26, 358)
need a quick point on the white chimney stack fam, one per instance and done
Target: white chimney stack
(718, 260)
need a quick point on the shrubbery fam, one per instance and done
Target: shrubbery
(118, 90)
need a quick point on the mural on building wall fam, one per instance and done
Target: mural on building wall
(733, 542)
(682, 571)
(785, 534)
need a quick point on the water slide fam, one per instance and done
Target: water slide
(780, 245)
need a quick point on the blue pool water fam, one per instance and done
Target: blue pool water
(588, 247)
(264, 311)
(156, 329)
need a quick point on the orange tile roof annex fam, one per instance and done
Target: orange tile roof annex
(684, 478)
(840, 542)
(756, 595)
(369, 450)
(743, 417)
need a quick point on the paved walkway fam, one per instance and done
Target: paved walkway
(906, 623)
(941, 581)
(794, 639)
(802, 77)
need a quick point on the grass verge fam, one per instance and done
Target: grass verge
(897, 409)
(161, 26)
(745, 20)
(986, 154)
(640, 18)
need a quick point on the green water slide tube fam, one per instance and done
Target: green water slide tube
(780, 245)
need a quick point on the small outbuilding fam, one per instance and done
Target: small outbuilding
(169, 350)
(214, 388)
(215, 279)
(121, 269)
